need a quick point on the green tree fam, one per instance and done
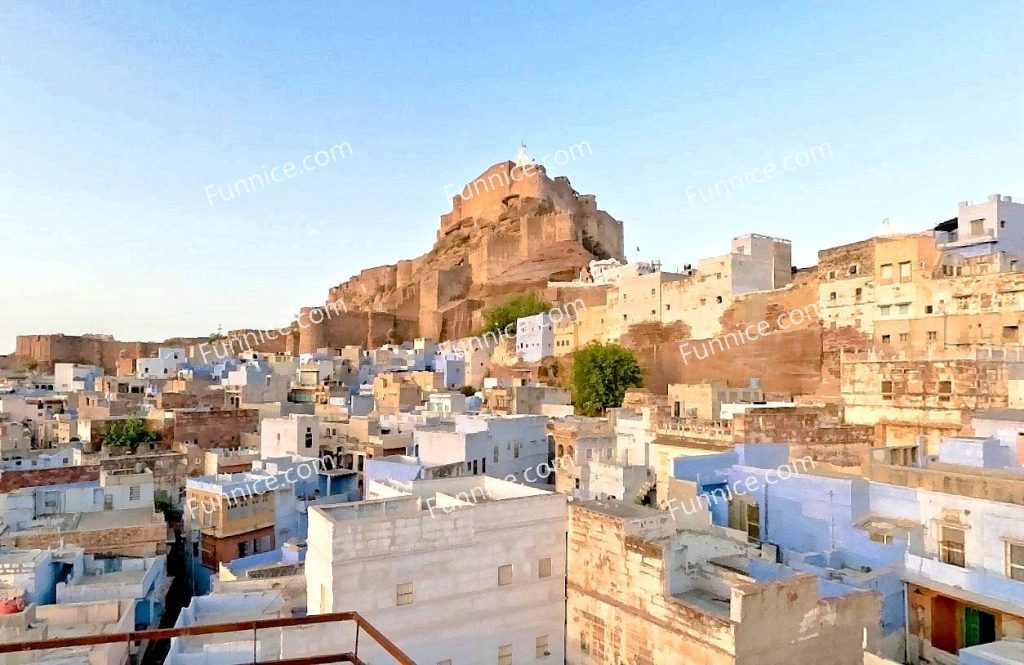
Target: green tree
(130, 432)
(601, 374)
(503, 317)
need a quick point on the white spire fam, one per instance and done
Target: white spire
(523, 158)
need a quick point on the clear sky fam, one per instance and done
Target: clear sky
(115, 117)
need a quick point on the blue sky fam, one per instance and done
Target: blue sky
(114, 118)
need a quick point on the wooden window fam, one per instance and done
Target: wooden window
(505, 654)
(403, 594)
(951, 546)
(544, 567)
(753, 522)
(945, 390)
(542, 647)
(505, 575)
(886, 273)
(1015, 561)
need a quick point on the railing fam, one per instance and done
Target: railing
(128, 638)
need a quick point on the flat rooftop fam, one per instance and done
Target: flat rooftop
(620, 509)
(998, 414)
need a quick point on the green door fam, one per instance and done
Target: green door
(979, 627)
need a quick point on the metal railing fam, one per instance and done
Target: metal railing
(127, 638)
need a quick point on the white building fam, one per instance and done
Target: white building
(460, 570)
(979, 229)
(165, 365)
(452, 366)
(499, 446)
(297, 435)
(71, 376)
(535, 337)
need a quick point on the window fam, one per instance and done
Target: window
(933, 335)
(883, 310)
(885, 274)
(505, 654)
(134, 493)
(589, 454)
(505, 575)
(544, 567)
(903, 309)
(878, 537)
(832, 296)
(977, 227)
(905, 271)
(1015, 561)
(753, 522)
(403, 594)
(945, 390)
(446, 661)
(718, 299)
(857, 293)
(542, 647)
(951, 546)
(831, 274)
(886, 339)
(904, 337)
(853, 269)
(886, 389)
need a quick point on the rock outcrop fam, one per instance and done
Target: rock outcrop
(510, 231)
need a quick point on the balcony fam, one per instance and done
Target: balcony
(977, 585)
(362, 637)
(955, 239)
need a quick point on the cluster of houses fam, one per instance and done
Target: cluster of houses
(450, 495)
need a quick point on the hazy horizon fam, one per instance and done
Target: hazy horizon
(120, 118)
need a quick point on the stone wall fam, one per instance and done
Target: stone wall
(136, 541)
(214, 429)
(809, 432)
(104, 352)
(12, 480)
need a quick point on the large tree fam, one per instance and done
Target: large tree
(601, 374)
(502, 319)
(130, 432)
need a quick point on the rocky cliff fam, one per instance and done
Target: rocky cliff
(510, 230)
